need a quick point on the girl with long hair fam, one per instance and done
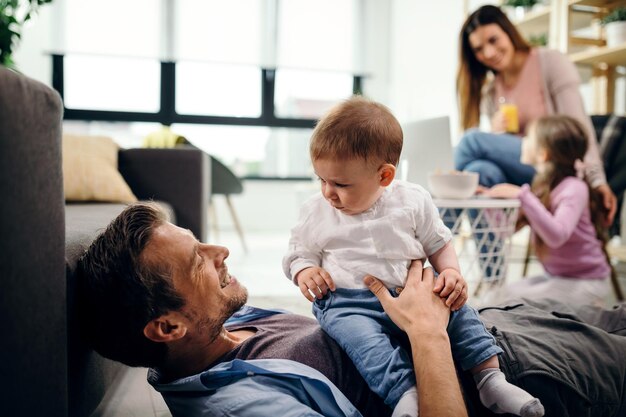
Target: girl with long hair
(565, 214)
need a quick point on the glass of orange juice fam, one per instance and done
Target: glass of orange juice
(510, 114)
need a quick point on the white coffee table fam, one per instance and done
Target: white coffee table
(490, 224)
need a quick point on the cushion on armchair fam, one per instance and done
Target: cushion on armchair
(90, 170)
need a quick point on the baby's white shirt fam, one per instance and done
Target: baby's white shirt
(402, 225)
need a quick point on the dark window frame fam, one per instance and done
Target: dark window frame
(167, 114)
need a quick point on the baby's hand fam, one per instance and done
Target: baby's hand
(314, 282)
(452, 285)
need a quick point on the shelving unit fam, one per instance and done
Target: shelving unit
(562, 21)
(535, 21)
(611, 56)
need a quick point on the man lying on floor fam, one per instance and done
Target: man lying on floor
(151, 295)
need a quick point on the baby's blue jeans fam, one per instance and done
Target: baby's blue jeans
(356, 320)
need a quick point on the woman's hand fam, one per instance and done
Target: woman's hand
(417, 309)
(610, 202)
(498, 122)
(502, 191)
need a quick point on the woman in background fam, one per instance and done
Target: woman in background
(497, 66)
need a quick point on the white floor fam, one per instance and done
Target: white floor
(260, 271)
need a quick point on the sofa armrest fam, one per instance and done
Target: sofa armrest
(33, 356)
(180, 176)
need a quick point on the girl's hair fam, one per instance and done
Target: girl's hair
(471, 74)
(565, 141)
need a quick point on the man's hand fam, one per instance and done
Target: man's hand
(424, 317)
(314, 282)
(610, 202)
(451, 286)
(417, 309)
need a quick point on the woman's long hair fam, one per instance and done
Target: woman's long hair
(565, 141)
(471, 74)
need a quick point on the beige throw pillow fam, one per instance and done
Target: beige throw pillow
(90, 170)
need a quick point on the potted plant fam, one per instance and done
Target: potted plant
(519, 8)
(13, 15)
(615, 26)
(538, 40)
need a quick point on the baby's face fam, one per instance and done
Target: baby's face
(351, 186)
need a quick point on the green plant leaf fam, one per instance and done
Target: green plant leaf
(617, 15)
(521, 3)
(11, 25)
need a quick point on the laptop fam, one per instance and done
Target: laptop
(427, 147)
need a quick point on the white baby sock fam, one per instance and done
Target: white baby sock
(407, 404)
(500, 396)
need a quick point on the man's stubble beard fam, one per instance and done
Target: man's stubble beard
(212, 327)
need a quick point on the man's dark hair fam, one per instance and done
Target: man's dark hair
(118, 294)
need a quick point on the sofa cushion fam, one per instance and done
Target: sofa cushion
(90, 170)
(85, 221)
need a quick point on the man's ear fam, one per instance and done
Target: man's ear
(387, 173)
(166, 328)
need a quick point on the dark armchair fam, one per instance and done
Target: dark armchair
(225, 182)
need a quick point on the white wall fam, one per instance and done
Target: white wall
(423, 49)
(267, 206)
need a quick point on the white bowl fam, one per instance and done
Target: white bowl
(456, 184)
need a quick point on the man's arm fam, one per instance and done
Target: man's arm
(424, 317)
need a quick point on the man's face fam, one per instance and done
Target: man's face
(351, 186)
(200, 277)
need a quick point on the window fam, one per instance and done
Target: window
(220, 90)
(220, 31)
(111, 83)
(243, 79)
(308, 94)
(320, 34)
(254, 151)
(113, 27)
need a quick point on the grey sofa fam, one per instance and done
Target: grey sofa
(44, 366)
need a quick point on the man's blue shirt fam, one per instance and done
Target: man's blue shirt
(260, 387)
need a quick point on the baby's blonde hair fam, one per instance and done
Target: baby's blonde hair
(358, 128)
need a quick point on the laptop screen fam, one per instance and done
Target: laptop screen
(427, 147)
